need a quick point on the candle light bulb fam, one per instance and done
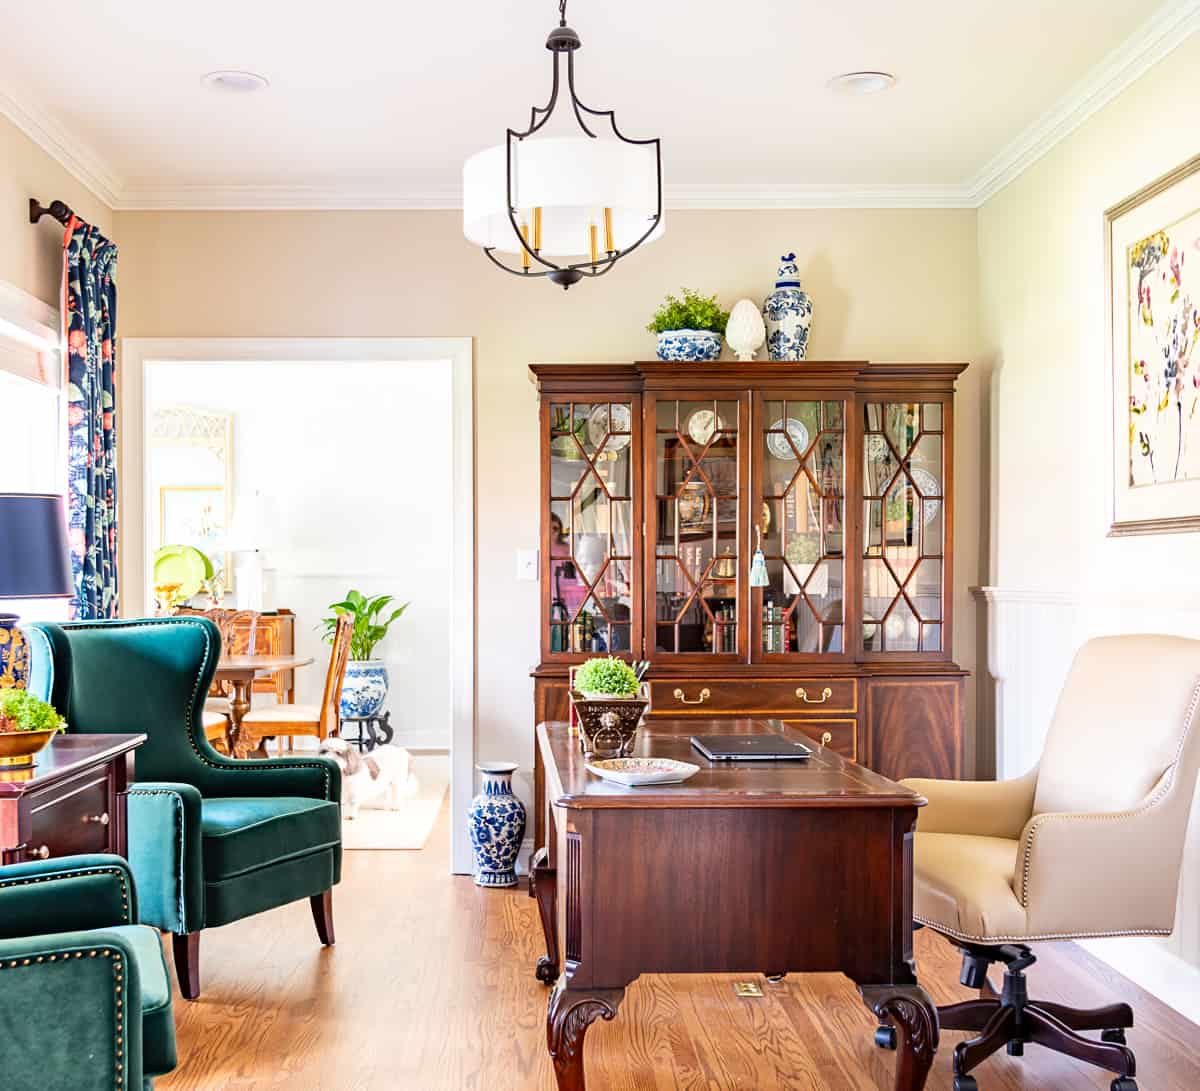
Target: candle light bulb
(524, 250)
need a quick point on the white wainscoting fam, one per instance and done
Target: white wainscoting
(1032, 637)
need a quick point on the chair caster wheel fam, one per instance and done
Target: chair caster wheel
(965, 1083)
(1124, 1083)
(885, 1037)
(1116, 1036)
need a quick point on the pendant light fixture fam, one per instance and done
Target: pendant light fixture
(563, 207)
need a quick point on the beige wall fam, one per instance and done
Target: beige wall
(1042, 329)
(888, 285)
(31, 257)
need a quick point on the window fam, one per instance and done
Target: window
(32, 427)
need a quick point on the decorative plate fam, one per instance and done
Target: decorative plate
(632, 772)
(183, 565)
(778, 446)
(927, 485)
(597, 425)
(702, 423)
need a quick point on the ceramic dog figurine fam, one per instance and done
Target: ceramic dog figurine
(386, 769)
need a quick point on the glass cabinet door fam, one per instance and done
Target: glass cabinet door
(591, 526)
(802, 448)
(903, 532)
(695, 601)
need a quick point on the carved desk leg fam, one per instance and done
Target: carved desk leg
(908, 1009)
(569, 1014)
(543, 885)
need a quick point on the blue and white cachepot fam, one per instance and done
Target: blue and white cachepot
(689, 346)
(787, 313)
(364, 688)
(497, 822)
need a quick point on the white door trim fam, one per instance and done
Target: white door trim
(136, 353)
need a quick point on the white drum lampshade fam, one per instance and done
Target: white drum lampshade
(572, 180)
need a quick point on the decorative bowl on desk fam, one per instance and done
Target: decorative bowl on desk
(634, 772)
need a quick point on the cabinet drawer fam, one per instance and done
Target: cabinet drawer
(767, 697)
(70, 818)
(840, 736)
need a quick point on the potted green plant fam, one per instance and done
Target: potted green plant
(605, 677)
(689, 329)
(27, 723)
(609, 702)
(365, 687)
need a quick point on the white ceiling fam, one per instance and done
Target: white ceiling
(381, 102)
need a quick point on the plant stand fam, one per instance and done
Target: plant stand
(373, 731)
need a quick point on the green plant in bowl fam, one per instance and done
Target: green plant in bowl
(20, 710)
(606, 677)
(693, 312)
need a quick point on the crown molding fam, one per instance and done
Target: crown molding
(72, 154)
(1158, 36)
(1162, 32)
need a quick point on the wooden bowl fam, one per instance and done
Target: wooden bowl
(17, 748)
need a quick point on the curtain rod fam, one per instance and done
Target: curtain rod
(58, 210)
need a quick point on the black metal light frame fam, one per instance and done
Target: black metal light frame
(564, 40)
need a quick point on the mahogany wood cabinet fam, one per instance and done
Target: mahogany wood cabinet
(659, 481)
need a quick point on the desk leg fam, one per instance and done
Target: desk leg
(570, 1013)
(908, 1009)
(239, 705)
(543, 887)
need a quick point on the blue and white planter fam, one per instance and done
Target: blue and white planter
(689, 346)
(497, 823)
(788, 313)
(364, 689)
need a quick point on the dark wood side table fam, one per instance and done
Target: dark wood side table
(754, 867)
(72, 801)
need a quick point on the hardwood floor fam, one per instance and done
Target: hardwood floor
(431, 988)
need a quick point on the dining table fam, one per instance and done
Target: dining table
(240, 671)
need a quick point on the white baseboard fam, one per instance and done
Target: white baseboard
(1164, 975)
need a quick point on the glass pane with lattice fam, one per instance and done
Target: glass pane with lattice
(903, 485)
(591, 525)
(697, 510)
(801, 522)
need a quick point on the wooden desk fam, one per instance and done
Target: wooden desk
(71, 801)
(240, 671)
(745, 868)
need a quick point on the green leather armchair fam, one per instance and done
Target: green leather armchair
(74, 963)
(211, 839)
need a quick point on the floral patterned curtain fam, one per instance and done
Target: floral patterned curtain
(90, 307)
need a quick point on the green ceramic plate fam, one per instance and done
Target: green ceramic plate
(184, 565)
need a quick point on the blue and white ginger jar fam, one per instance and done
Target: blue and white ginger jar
(787, 313)
(689, 346)
(497, 822)
(364, 688)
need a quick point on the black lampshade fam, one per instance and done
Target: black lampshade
(34, 562)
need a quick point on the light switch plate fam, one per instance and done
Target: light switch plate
(527, 565)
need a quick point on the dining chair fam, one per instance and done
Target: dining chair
(319, 721)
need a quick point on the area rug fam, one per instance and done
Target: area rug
(376, 827)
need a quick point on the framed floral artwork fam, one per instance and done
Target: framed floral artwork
(1153, 258)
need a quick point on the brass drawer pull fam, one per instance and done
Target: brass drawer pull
(40, 854)
(100, 818)
(802, 693)
(705, 694)
(827, 738)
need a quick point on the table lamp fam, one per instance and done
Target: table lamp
(34, 564)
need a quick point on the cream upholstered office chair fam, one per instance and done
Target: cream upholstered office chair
(1087, 844)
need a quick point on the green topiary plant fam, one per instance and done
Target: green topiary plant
(610, 676)
(20, 710)
(693, 312)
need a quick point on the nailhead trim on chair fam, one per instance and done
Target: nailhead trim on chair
(1026, 937)
(235, 765)
(1115, 816)
(118, 995)
(74, 874)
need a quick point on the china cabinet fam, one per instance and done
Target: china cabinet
(659, 481)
